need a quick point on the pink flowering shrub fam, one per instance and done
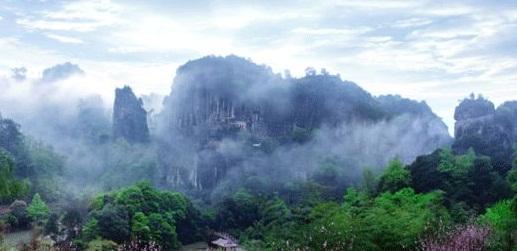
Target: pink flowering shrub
(463, 238)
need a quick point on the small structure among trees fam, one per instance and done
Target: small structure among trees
(224, 241)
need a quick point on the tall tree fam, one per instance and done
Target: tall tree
(38, 209)
(395, 177)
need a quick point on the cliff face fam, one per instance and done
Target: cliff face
(129, 117)
(215, 97)
(226, 109)
(489, 132)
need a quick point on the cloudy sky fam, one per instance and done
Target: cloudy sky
(438, 51)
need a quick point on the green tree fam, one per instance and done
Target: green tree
(113, 223)
(37, 209)
(237, 212)
(194, 226)
(470, 182)
(163, 231)
(91, 229)
(140, 226)
(395, 177)
(335, 228)
(10, 188)
(504, 224)
(143, 212)
(456, 166)
(485, 184)
(397, 220)
(273, 212)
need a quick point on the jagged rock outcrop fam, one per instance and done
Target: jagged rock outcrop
(129, 117)
(220, 104)
(488, 132)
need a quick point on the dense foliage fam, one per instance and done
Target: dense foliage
(141, 212)
(402, 209)
(391, 221)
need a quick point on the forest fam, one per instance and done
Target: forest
(274, 161)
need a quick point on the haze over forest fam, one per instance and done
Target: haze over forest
(341, 125)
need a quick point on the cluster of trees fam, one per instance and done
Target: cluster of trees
(22, 216)
(469, 180)
(141, 212)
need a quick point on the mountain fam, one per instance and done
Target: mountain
(223, 108)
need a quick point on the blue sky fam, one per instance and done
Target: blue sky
(438, 51)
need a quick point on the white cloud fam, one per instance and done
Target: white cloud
(332, 31)
(377, 4)
(237, 19)
(78, 16)
(65, 39)
(412, 22)
(162, 34)
(451, 9)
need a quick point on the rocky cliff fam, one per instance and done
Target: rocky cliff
(488, 131)
(129, 117)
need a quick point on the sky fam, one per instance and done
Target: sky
(437, 51)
